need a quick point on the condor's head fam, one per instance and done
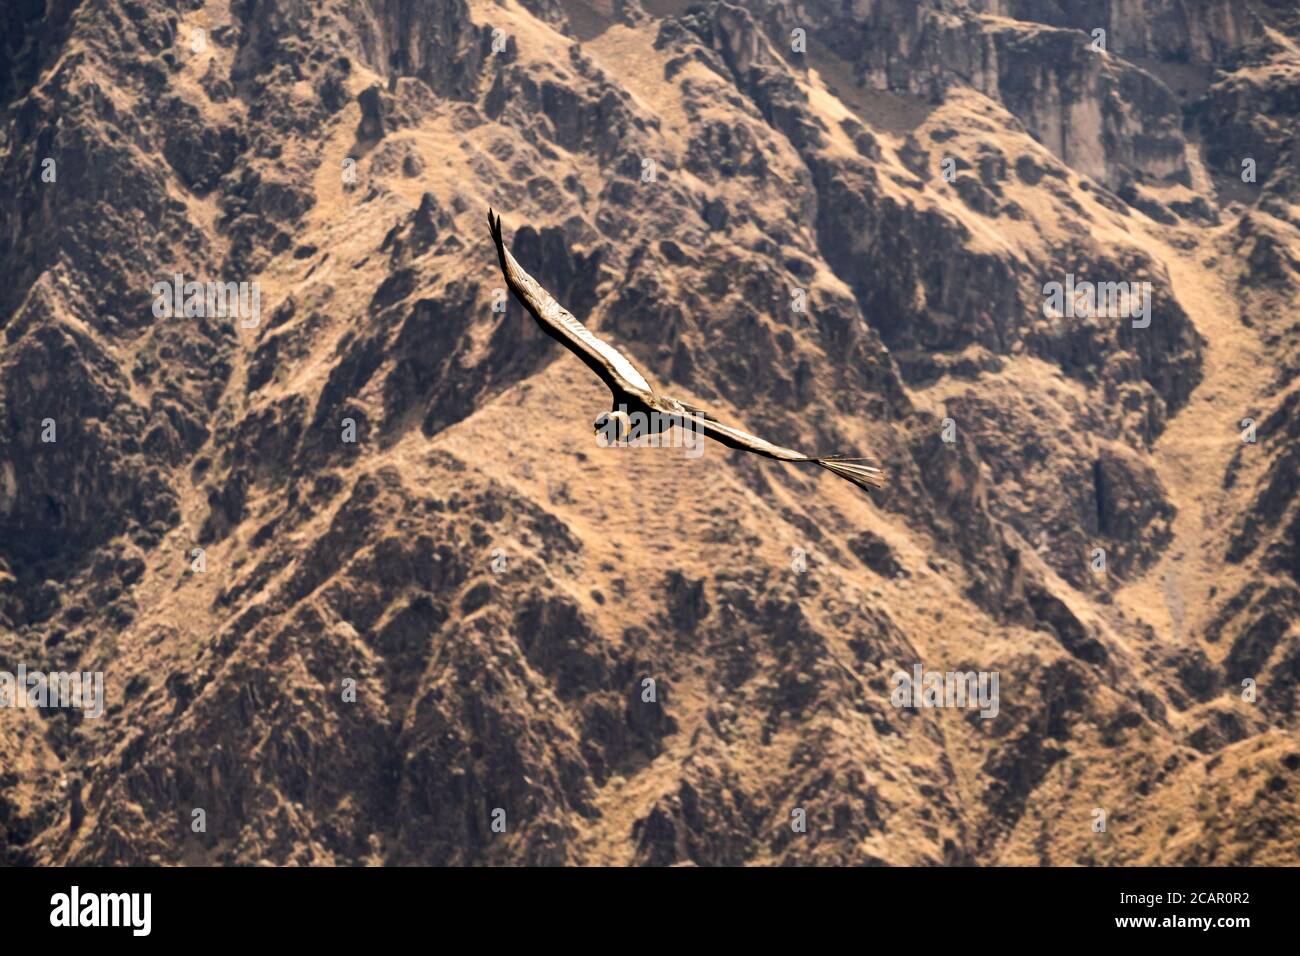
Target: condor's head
(613, 427)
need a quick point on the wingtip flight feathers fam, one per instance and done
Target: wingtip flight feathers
(494, 224)
(866, 476)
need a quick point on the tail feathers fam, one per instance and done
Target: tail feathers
(856, 470)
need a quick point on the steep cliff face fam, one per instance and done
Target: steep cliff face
(1203, 32)
(365, 589)
(1100, 113)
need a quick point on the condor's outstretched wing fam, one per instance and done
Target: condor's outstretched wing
(860, 471)
(611, 365)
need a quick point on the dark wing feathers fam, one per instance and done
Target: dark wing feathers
(856, 470)
(610, 365)
(861, 471)
(735, 438)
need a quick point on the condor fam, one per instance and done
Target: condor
(632, 391)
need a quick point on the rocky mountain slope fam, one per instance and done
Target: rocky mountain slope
(365, 590)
